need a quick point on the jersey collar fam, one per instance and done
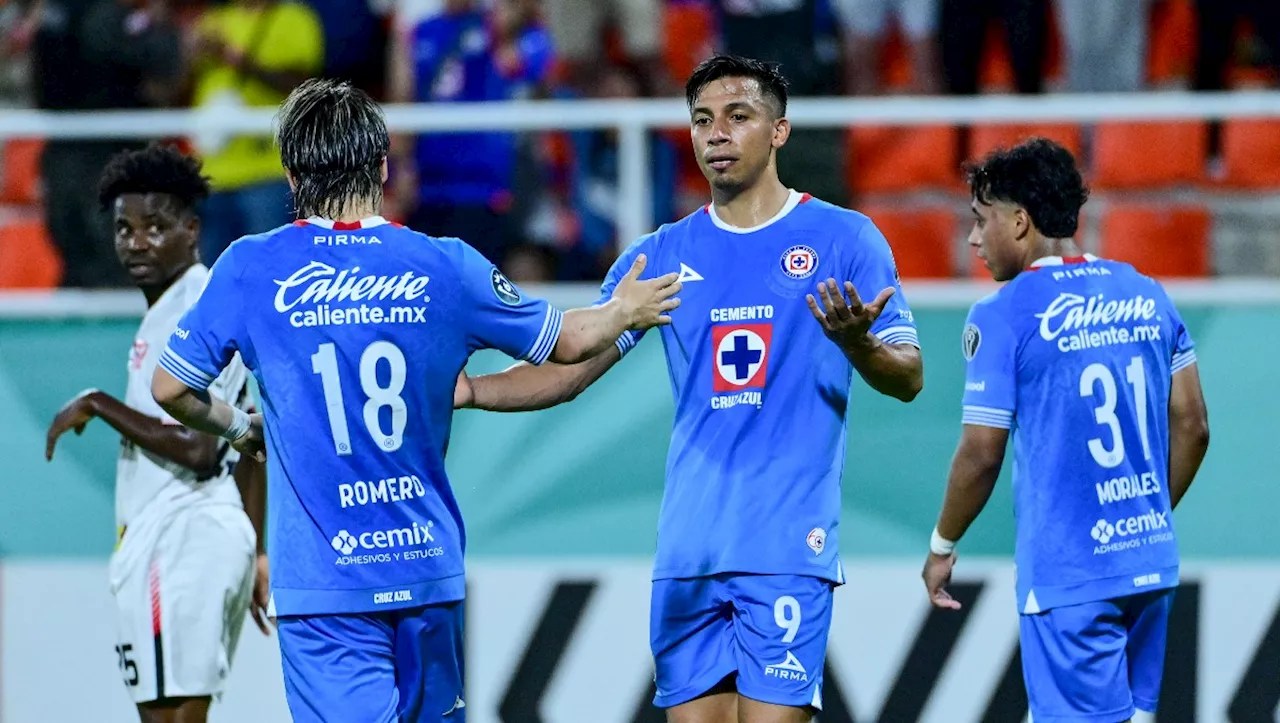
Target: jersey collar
(795, 199)
(332, 225)
(1060, 261)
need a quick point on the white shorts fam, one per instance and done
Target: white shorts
(918, 19)
(182, 591)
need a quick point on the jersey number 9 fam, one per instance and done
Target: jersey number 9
(325, 363)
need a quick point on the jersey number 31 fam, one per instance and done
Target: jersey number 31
(325, 363)
(1105, 413)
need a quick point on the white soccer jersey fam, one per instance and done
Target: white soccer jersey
(149, 487)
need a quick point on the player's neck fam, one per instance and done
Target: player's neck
(1065, 247)
(751, 206)
(355, 213)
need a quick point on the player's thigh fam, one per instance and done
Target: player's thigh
(718, 705)
(1148, 622)
(175, 710)
(429, 663)
(1075, 665)
(339, 668)
(205, 562)
(780, 631)
(691, 636)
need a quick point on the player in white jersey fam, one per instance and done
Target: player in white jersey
(183, 571)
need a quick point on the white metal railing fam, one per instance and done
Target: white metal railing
(633, 118)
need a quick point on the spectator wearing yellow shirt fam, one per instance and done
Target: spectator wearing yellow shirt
(248, 53)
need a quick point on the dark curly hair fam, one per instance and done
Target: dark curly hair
(1038, 175)
(772, 82)
(158, 168)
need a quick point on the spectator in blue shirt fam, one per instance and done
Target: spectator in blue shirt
(460, 184)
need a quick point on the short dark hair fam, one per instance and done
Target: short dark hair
(158, 168)
(772, 83)
(1038, 175)
(333, 140)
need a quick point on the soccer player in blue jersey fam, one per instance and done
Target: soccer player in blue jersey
(356, 329)
(1088, 364)
(748, 538)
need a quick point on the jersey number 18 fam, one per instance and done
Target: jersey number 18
(325, 363)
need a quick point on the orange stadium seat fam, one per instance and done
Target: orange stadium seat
(887, 159)
(28, 259)
(1251, 153)
(1160, 240)
(689, 35)
(1171, 50)
(1143, 155)
(986, 138)
(20, 177)
(922, 238)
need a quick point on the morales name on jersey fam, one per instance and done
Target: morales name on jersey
(1076, 357)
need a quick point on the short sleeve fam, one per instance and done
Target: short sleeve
(872, 270)
(210, 332)
(990, 382)
(620, 267)
(504, 318)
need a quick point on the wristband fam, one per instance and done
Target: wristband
(940, 545)
(239, 425)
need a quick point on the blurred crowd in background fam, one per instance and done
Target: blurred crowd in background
(543, 205)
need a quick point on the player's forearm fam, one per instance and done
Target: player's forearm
(974, 470)
(1188, 443)
(896, 370)
(251, 478)
(527, 388)
(197, 410)
(585, 333)
(187, 447)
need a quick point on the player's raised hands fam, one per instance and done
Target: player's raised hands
(646, 303)
(74, 415)
(937, 575)
(845, 320)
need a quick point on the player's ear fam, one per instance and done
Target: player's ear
(781, 132)
(1022, 223)
(385, 175)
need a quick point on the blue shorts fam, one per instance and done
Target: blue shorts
(400, 665)
(769, 630)
(1096, 661)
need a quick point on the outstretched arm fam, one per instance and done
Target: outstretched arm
(526, 388)
(187, 447)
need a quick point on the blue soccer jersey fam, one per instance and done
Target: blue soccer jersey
(356, 334)
(1076, 357)
(758, 446)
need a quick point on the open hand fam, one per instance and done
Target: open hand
(75, 414)
(254, 442)
(645, 303)
(843, 320)
(937, 575)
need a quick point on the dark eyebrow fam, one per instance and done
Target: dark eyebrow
(729, 107)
